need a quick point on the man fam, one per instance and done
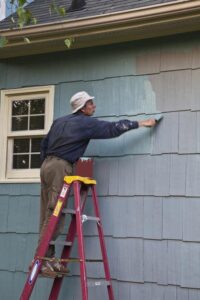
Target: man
(65, 143)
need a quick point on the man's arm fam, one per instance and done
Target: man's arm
(98, 129)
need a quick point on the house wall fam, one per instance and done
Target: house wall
(148, 179)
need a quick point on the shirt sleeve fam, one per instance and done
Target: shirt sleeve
(105, 130)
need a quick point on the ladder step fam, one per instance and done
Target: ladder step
(84, 217)
(68, 211)
(62, 243)
(96, 283)
(89, 218)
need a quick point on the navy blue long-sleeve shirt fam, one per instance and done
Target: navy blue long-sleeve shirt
(69, 136)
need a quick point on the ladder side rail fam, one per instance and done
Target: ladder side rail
(67, 250)
(102, 244)
(81, 250)
(44, 244)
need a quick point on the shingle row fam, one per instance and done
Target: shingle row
(173, 88)
(161, 175)
(11, 284)
(134, 259)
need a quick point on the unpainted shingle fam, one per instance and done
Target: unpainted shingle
(101, 174)
(126, 176)
(191, 220)
(133, 266)
(196, 55)
(182, 294)
(127, 217)
(155, 261)
(6, 285)
(114, 179)
(4, 200)
(149, 175)
(187, 132)
(198, 132)
(176, 55)
(150, 261)
(174, 262)
(170, 293)
(153, 215)
(124, 290)
(165, 135)
(193, 175)
(148, 59)
(178, 175)
(194, 294)
(173, 218)
(190, 266)
(195, 103)
(173, 90)
(18, 214)
(162, 175)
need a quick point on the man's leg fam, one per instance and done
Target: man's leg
(53, 171)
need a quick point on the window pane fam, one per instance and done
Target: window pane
(37, 106)
(19, 123)
(20, 107)
(35, 147)
(37, 122)
(21, 145)
(35, 161)
(20, 161)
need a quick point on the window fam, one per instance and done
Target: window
(27, 115)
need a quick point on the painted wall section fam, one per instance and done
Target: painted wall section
(148, 180)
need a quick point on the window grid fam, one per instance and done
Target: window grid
(7, 136)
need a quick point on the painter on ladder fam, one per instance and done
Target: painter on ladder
(64, 144)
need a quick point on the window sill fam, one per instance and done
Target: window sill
(21, 180)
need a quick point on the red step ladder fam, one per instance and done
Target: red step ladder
(81, 187)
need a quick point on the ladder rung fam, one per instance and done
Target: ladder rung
(62, 243)
(94, 260)
(96, 283)
(57, 275)
(73, 259)
(89, 218)
(68, 211)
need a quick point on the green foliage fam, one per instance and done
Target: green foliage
(3, 41)
(69, 42)
(27, 40)
(25, 17)
(54, 8)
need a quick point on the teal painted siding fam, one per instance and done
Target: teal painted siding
(148, 180)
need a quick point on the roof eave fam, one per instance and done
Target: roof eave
(147, 22)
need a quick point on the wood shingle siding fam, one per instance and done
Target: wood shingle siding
(147, 179)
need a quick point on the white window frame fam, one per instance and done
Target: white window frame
(7, 173)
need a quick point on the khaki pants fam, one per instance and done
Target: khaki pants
(52, 173)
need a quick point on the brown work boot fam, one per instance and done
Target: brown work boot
(47, 270)
(59, 267)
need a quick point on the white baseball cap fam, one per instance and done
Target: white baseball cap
(78, 100)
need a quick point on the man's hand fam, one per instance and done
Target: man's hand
(147, 123)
